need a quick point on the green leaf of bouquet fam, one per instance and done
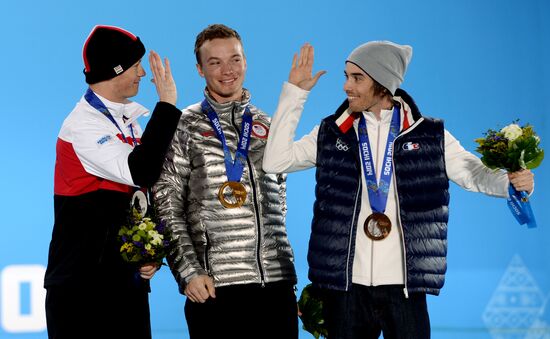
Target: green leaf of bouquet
(311, 307)
(536, 161)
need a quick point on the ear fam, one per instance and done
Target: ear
(199, 69)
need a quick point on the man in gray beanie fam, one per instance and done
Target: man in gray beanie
(386, 61)
(378, 241)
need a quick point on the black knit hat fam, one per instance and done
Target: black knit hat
(109, 51)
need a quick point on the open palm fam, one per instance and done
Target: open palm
(302, 65)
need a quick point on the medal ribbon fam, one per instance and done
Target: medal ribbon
(96, 103)
(234, 168)
(519, 205)
(378, 192)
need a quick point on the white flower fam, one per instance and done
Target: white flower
(147, 247)
(157, 238)
(142, 226)
(512, 132)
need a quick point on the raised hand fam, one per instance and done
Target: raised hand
(162, 78)
(302, 65)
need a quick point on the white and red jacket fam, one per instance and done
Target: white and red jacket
(95, 172)
(91, 153)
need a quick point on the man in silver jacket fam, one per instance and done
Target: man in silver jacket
(230, 253)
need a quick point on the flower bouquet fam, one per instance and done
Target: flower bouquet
(144, 239)
(513, 148)
(310, 309)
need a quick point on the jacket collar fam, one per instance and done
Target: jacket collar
(228, 107)
(343, 118)
(129, 112)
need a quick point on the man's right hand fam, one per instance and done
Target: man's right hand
(200, 288)
(302, 64)
(162, 78)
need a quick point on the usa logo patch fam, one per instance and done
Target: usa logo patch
(259, 130)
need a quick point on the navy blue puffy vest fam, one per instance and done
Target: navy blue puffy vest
(422, 186)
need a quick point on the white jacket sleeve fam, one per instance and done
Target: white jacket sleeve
(467, 170)
(282, 153)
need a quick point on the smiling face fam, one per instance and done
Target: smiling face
(359, 88)
(223, 66)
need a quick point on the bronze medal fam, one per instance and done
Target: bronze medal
(377, 226)
(232, 194)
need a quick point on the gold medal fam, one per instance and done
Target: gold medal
(232, 194)
(377, 226)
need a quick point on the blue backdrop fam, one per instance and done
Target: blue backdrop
(477, 64)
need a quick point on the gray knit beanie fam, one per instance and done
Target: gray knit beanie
(384, 61)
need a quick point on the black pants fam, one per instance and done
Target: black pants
(92, 312)
(271, 310)
(365, 312)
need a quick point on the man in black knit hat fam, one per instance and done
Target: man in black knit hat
(102, 157)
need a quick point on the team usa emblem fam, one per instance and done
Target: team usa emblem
(259, 130)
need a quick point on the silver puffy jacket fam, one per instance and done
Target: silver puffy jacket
(242, 245)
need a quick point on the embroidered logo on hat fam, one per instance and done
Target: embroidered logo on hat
(109, 51)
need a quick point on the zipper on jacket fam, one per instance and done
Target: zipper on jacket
(394, 177)
(371, 262)
(398, 209)
(378, 180)
(405, 274)
(255, 201)
(206, 249)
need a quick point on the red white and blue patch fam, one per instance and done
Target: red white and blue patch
(259, 130)
(411, 146)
